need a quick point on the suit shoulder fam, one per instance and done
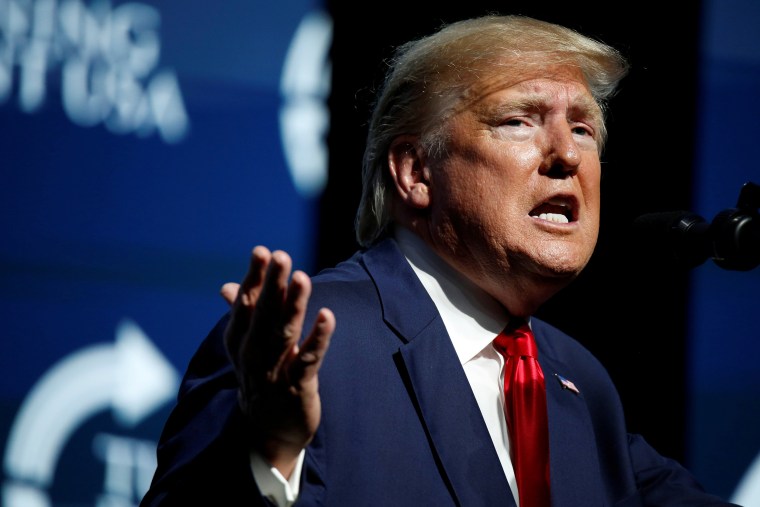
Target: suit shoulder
(348, 270)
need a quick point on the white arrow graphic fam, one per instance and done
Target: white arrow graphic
(131, 376)
(748, 491)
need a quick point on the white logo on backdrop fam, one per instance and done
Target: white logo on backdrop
(748, 491)
(105, 58)
(304, 116)
(129, 376)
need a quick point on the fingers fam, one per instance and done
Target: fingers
(267, 321)
(271, 295)
(279, 316)
(268, 311)
(245, 300)
(252, 284)
(306, 366)
(294, 310)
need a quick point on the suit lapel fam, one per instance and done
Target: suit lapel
(437, 384)
(453, 421)
(573, 453)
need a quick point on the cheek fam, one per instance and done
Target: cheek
(591, 177)
(593, 206)
(509, 171)
(525, 155)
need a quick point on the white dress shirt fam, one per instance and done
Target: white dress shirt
(473, 319)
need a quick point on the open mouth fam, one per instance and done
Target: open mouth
(560, 210)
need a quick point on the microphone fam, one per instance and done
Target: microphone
(731, 240)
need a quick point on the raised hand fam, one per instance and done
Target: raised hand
(278, 377)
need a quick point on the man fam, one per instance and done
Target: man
(480, 201)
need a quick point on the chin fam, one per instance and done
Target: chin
(562, 263)
(555, 276)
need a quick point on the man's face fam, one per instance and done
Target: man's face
(515, 203)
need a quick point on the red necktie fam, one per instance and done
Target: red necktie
(525, 408)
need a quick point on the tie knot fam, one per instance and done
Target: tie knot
(517, 341)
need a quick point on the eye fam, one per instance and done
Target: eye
(582, 130)
(515, 122)
(519, 127)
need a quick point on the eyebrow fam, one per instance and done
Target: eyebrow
(583, 106)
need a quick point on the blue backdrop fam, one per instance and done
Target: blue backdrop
(144, 152)
(724, 377)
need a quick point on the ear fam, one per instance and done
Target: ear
(409, 172)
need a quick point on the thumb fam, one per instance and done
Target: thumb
(229, 291)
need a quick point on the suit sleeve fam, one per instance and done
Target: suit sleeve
(664, 482)
(204, 450)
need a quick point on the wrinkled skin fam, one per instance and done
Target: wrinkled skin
(526, 148)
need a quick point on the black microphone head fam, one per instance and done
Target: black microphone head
(677, 236)
(736, 239)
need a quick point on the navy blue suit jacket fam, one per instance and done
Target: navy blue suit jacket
(400, 424)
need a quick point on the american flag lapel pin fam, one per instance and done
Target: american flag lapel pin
(566, 384)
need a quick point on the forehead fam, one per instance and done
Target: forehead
(533, 82)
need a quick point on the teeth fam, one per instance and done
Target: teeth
(553, 217)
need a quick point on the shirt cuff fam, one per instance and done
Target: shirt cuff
(272, 484)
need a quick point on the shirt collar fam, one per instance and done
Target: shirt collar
(472, 317)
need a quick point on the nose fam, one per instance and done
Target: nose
(562, 155)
